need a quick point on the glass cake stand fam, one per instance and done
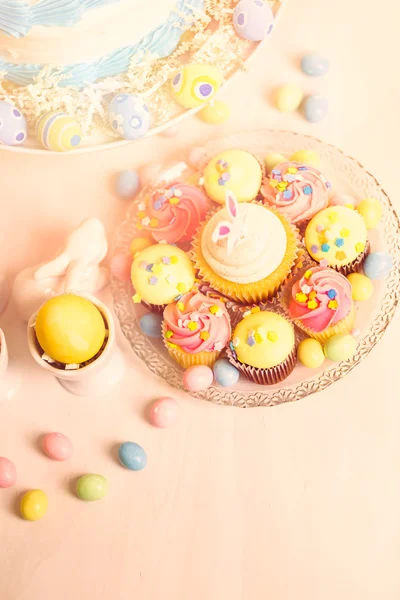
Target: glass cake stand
(348, 176)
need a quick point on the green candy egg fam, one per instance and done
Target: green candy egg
(91, 487)
(340, 347)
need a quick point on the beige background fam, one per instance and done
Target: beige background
(300, 501)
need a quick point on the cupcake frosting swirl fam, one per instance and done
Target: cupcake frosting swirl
(197, 324)
(297, 191)
(173, 214)
(321, 298)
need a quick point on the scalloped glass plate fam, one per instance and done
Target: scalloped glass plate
(348, 176)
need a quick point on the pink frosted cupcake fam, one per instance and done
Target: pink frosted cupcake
(173, 214)
(321, 303)
(297, 191)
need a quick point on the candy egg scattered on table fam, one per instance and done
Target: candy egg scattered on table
(164, 412)
(59, 132)
(371, 211)
(216, 112)
(91, 487)
(129, 116)
(315, 108)
(34, 505)
(57, 446)
(378, 265)
(288, 97)
(314, 65)
(225, 374)
(198, 378)
(132, 456)
(150, 324)
(13, 127)
(306, 157)
(127, 184)
(253, 20)
(340, 347)
(8, 473)
(195, 85)
(361, 286)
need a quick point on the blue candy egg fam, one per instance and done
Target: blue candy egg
(224, 373)
(127, 184)
(13, 128)
(314, 65)
(253, 20)
(129, 116)
(132, 456)
(377, 265)
(315, 108)
(150, 324)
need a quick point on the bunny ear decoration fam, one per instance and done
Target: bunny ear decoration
(232, 205)
(222, 231)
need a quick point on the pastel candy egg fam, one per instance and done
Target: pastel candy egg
(127, 184)
(314, 65)
(138, 244)
(120, 266)
(58, 131)
(342, 200)
(150, 324)
(132, 456)
(315, 108)
(8, 473)
(272, 160)
(253, 20)
(13, 128)
(371, 211)
(164, 412)
(195, 85)
(310, 353)
(216, 112)
(361, 287)
(197, 378)
(34, 505)
(306, 157)
(129, 116)
(378, 265)
(57, 446)
(91, 487)
(224, 373)
(288, 97)
(340, 347)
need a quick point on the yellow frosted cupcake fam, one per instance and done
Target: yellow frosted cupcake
(235, 171)
(263, 348)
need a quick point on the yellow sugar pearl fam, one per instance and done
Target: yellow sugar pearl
(174, 260)
(153, 222)
(259, 338)
(136, 299)
(333, 304)
(306, 157)
(174, 200)
(312, 304)
(168, 334)
(292, 170)
(300, 297)
(371, 211)
(282, 186)
(215, 113)
(288, 97)
(273, 183)
(204, 335)
(192, 325)
(272, 160)
(307, 274)
(361, 287)
(214, 309)
(139, 244)
(333, 217)
(310, 353)
(181, 287)
(360, 247)
(344, 233)
(180, 306)
(272, 336)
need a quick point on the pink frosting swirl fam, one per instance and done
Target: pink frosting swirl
(173, 214)
(197, 323)
(328, 290)
(297, 195)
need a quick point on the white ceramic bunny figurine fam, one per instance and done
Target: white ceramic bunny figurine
(75, 269)
(234, 229)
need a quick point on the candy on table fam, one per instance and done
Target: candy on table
(120, 266)
(34, 505)
(58, 131)
(314, 65)
(57, 446)
(225, 373)
(138, 244)
(272, 160)
(129, 116)
(164, 412)
(150, 324)
(216, 112)
(288, 97)
(13, 127)
(342, 200)
(132, 456)
(253, 20)
(371, 211)
(127, 184)
(8, 473)
(361, 287)
(315, 108)
(340, 347)
(195, 85)
(197, 378)
(91, 487)
(306, 157)
(378, 265)
(310, 353)
(4, 293)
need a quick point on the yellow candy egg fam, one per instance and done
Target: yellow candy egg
(361, 287)
(195, 85)
(215, 113)
(272, 160)
(34, 505)
(288, 97)
(58, 131)
(310, 353)
(70, 329)
(138, 244)
(371, 211)
(306, 157)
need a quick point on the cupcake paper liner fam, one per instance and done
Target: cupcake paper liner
(157, 309)
(265, 376)
(357, 264)
(343, 326)
(186, 360)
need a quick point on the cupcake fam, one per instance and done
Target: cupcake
(297, 191)
(196, 329)
(338, 237)
(173, 214)
(321, 304)
(245, 251)
(160, 274)
(235, 171)
(263, 348)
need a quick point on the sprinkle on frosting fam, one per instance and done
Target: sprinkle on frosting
(308, 274)
(136, 299)
(341, 255)
(325, 247)
(360, 247)
(272, 336)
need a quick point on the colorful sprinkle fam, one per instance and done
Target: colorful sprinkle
(332, 294)
(272, 336)
(214, 309)
(255, 309)
(146, 222)
(305, 289)
(180, 306)
(333, 304)
(153, 222)
(339, 242)
(157, 269)
(324, 262)
(169, 334)
(174, 260)
(149, 267)
(141, 215)
(166, 260)
(325, 247)
(153, 280)
(251, 341)
(218, 346)
(143, 264)
(341, 255)
(157, 205)
(360, 247)
(181, 287)
(291, 170)
(288, 194)
(307, 274)
(171, 345)
(192, 326)
(312, 295)
(312, 304)
(204, 335)
(314, 248)
(302, 298)
(320, 228)
(333, 217)
(328, 235)
(344, 233)
(174, 200)
(178, 297)
(235, 342)
(282, 186)
(137, 299)
(307, 190)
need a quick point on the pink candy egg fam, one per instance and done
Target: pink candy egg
(164, 412)
(342, 200)
(8, 473)
(120, 266)
(197, 378)
(57, 446)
